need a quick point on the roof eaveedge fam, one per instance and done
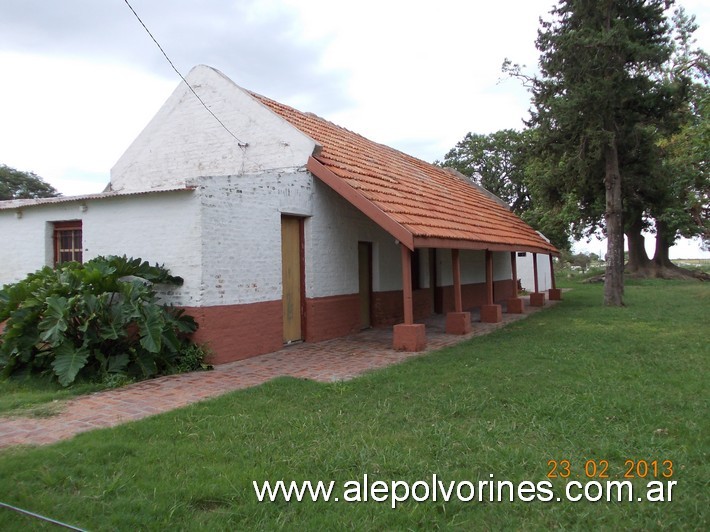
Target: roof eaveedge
(399, 232)
(36, 202)
(360, 202)
(452, 243)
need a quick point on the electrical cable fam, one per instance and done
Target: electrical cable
(41, 517)
(241, 144)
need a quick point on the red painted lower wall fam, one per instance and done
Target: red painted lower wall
(474, 295)
(235, 332)
(331, 317)
(388, 307)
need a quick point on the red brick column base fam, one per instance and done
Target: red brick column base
(409, 337)
(537, 299)
(555, 294)
(491, 313)
(516, 306)
(458, 323)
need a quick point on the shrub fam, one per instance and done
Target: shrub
(98, 320)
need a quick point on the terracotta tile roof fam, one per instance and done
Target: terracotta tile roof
(433, 204)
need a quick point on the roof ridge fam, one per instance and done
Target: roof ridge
(311, 114)
(427, 200)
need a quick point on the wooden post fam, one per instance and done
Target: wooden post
(489, 277)
(456, 263)
(555, 293)
(408, 336)
(458, 321)
(537, 298)
(490, 313)
(407, 285)
(515, 304)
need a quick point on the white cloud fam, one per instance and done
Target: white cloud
(70, 120)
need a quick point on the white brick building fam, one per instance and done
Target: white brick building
(284, 227)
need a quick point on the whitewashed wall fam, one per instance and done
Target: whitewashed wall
(241, 241)
(183, 141)
(27, 239)
(161, 227)
(473, 266)
(332, 237)
(525, 271)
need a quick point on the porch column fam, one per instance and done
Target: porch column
(457, 322)
(490, 312)
(407, 286)
(408, 336)
(554, 293)
(515, 303)
(537, 298)
(456, 265)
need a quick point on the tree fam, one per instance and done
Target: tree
(16, 184)
(497, 162)
(503, 163)
(670, 196)
(686, 166)
(581, 260)
(598, 90)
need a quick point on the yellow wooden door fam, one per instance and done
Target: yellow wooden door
(365, 280)
(291, 278)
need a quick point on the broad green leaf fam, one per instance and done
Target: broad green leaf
(183, 323)
(151, 329)
(118, 363)
(146, 363)
(68, 361)
(119, 324)
(54, 322)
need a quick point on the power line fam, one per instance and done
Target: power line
(40, 517)
(241, 144)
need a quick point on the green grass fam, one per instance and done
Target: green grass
(575, 382)
(38, 396)
(702, 265)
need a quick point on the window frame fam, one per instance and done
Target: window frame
(60, 229)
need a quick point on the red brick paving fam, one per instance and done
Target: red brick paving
(331, 360)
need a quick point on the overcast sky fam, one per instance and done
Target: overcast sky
(81, 78)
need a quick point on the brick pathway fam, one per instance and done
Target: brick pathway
(332, 360)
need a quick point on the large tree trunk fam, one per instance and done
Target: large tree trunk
(661, 266)
(614, 278)
(664, 241)
(639, 263)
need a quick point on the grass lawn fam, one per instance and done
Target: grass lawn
(38, 396)
(577, 382)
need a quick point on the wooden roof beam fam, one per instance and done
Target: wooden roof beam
(360, 202)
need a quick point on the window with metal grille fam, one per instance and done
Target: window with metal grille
(67, 242)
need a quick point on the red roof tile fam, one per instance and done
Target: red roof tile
(436, 206)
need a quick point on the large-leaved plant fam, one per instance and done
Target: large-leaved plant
(93, 320)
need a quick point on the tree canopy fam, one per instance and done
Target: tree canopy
(503, 163)
(600, 103)
(618, 140)
(497, 162)
(16, 184)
